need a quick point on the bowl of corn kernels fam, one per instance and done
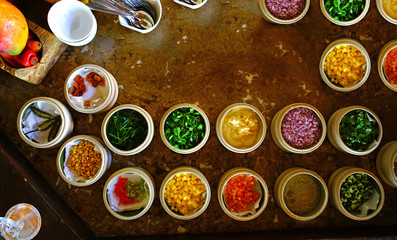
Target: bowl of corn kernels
(185, 193)
(345, 65)
(82, 160)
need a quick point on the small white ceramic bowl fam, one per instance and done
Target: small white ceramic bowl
(130, 172)
(345, 23)
(100, 103)
(334, 185)
(385, 15)
(386, 163)
(143, 145)
(333, 131)
(279, 193)
(381, 61)
(262, 202)
(356, 85)
(276, 125)
(199, 145)
(71, 21)
(221, 128)
(53, 107)
(271, 18)
(63, 157)
(192, 6)
(206, 201)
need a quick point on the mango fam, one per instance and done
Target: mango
(13, 29)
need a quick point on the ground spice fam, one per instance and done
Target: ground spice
(302, 194)
(390, 66)
(285, 9)
(84, 160)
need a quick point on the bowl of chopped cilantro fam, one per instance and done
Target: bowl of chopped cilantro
(184, 128)
(344, 12)
(127, 129)
(356, 193)
(356, 130)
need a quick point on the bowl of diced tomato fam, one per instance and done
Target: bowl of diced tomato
(387, 65)
(242, 194)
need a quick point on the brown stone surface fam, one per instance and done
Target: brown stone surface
(220, 54)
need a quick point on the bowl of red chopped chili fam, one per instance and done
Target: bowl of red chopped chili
(242, 194)
(283, 12)
(129, 193)
(298, 128)
(387, 65)
(91, 89)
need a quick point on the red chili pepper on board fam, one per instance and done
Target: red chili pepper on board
(27, 57)
(11, 61)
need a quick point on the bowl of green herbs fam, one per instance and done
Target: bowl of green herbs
(356, 130)
(356, 193)
(127, 129)
(344, 12)
(184, 128)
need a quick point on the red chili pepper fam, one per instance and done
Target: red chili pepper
(240, 193)
(11, 61)
(34, 45)
(30, 35)
(27, 57)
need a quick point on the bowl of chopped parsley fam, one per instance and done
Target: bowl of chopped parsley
(127, 129)
(356, 130)
(184, 128)
(356, 193)
(344, 12)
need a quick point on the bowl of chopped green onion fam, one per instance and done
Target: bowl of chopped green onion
(356, 193)
(356, 130)
(127, 129)
(184, 128)
(344, 12)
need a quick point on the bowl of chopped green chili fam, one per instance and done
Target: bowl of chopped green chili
(184, 128)
(356, 193)
(127, 129)
(344, 12)
(356, 130)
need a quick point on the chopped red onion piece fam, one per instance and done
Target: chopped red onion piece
(285, 9)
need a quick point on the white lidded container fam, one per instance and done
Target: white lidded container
(229, 136)
(159, 11)
(149, 124)
(386, 163)
(280, 192)
(367, 65)
(333, 130)
(381, 62)
(207, 195)
(268, 16)
(100, 98)
(133, 211)
(375, 203)
(28, 121)
(163, 125)
(64, 156)
(190, 3)
(276, 129)
(345, 23)
(259, 205)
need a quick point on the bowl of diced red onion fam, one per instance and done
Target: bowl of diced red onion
(298, 128)
(282, 12)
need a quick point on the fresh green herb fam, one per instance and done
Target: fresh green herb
(137, 189)
(355, 190)
(358, 130)
(184, 128)
(126, 129)
(344, 10)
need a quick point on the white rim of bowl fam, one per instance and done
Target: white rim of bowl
(382, 12)
(191, 6)
(272, 18)
(321, 204)
(143, 145)
(350, 42)
(381, 61)
(391, 164)
(192, 171)
(143, 174)
(238, 171)
(219, 128)
(345, 23)
(206, 122)
(102, 169)
(62, 127)
(344, 146)
(108, 81)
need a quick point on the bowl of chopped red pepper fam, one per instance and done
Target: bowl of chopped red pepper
(387, 65)
(242, 194)
(129, 193)
(90, 89)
